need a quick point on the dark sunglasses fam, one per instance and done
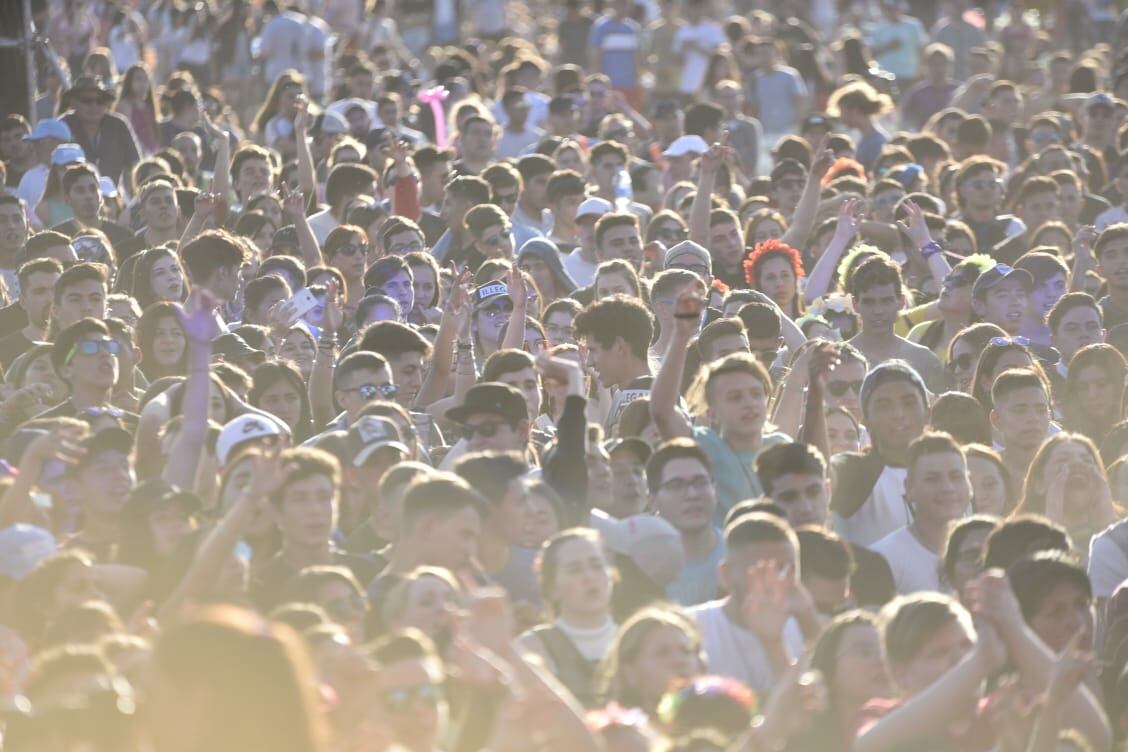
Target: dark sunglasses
(401, 699)
(488, 430)
(92, 346)
(839, 388)
(1004, 341)
(371, 391)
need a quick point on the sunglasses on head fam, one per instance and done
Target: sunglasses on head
(1004, 341)
(92, 346)
(488, 430)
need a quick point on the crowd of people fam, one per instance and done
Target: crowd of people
(681, 375)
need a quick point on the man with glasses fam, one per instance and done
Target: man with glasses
(85, 358)
(406, 351)
(679, 479)
(492, 417)
(687, 255)
(105, 136)
(360, 378)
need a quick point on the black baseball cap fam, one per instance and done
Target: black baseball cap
(491, 397)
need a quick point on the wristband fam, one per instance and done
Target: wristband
(930, 249)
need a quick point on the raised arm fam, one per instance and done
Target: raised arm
(197, 319)
(566, 467)
(294, 205)
(821, 278)
(803, 220)
(221, 142)
(307, 172)
(921, 245)
(455, 315)
(16, 505)
(515, 335)
(711, 161)
(321, 378)
(824, 357)
(202, 214)
(667, 384)
(1083, 260)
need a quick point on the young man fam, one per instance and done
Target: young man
(434, 171)
(793, 475)
(617, 332)
(360, 378)
(1021, 419)
(261, 295)
(79, 292)
(83, 195)
(493, 417)
(517, 368)
(694, 42)
(304, 508)
(106, 476)
(33, 308)
(615, 49)
(1075, 322)
(13, 239)
(214, 260)
(1111, 253)
(461, 195)
(933, 92)
(1051, 280)
(563, 195)
(755, 632)
(346, 182)
(938, 491)
(608, 159)
(628, 458)
(500, 477)
(617, 236)
(665, 290)
(979, 193)
(1056, 598)
(410, 702)
(252, 170)
(492, 236)
(405, 350)
(532, 204)
(867, 500)
(999, 296)
(160, 214)
(877, 293)
(85, 358)
(679, 479)
(477, 146)
(582, 261)
(518, 135)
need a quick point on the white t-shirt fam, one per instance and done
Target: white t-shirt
(914, 567)
(322, 223)
(731, 650)
(882, 513)
(31, 188)
(580, 269)
(282, 44)
(1108, 559)
(707, 35)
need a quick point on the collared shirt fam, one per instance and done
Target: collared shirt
(113, 149)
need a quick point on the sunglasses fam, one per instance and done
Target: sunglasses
(406, 248)
(109, 411)
(401, 699)
(839, 388)
(372, 391)
(92, 346)
(1004, 341)
(352, 250)
(488, 430)
(498, 309)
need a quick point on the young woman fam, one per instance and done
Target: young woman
(423, 600)
(859, 105)
(991, 489)
(999, 354)
(392, 275)
(158, 276)
(616, 277)
(1067, 483)
(775, 268)
(764, 225)
(540, 259)
(164, 347)
(425, 285)
(965, 350)
(336, 590)
(274, 122)
(963, 553)
(1094, 391)
(848, 654)
(299, 346)
(256, 227)
(137, 102)
(653, 650)
(575, 578)
(279, 389)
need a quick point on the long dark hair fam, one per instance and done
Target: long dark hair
(1109, 360)
(147, 332)
(125, 92)
(270, 373)
(142, 289)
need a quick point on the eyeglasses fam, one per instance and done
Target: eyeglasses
(352, 249)
(498, 239)
(92, 346)
(405, 248)
(372, 391)
(495, 310)
(696, 484)
(839, 388)
(401, 699)
(488, 429)
(1004, 341)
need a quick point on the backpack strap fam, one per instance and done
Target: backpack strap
(573, 670)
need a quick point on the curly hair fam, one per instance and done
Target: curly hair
(769, 249)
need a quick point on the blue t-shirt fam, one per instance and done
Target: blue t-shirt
(619, 43)
(734, 474)
(698, 582)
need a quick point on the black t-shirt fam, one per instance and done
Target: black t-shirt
(1111, 314)
(872, 582)
(432, 226)
(269, 586)
(12, 347)
(12, 318)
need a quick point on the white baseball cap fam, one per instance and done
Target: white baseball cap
(246, 427)
(594, 207)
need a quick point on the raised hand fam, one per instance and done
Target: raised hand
(301, 115)
(799, 696)
(687, 313)
(269, 471)
(916, 228)
(1083, 241)
(991, 600)
(61, 443)
(293, 203)
(518, 292)
(334, 306)
(720, 153)
(197, 317)
(851, 213)
(766, 600)
(824, 159)
(31, 396)
(824, 357)
(205, 206)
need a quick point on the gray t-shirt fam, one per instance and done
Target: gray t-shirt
(776, 92)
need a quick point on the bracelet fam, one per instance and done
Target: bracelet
(930, 249)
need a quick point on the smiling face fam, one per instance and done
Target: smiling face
(169, 342)
(685, 497)
(938, 488)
